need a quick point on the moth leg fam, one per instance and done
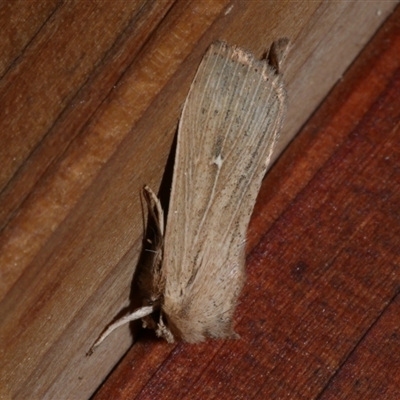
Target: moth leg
(163, 331)
(158, 213)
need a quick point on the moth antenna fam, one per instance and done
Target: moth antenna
(137, 314)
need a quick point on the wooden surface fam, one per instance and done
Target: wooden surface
(90, 97)
(320, 314)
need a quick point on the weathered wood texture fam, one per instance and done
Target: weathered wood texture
(90, 95)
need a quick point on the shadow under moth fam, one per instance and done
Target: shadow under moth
(227, 133)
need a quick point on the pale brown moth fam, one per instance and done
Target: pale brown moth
(227, 132)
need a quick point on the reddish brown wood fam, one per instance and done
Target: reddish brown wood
(90, 98)
(319, 314)
(372, 370)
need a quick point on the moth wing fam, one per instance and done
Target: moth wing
(229, 126)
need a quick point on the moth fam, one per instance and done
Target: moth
(229, 126)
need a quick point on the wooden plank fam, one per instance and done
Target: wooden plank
(372, 371)
(57, 66)
(90, 119)
(63, 120)
(323, 264)
(13, 16)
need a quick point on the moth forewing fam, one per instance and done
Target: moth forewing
(229, 126)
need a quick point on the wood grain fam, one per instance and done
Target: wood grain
(90, 96)
(371, 370)
(13, 16)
